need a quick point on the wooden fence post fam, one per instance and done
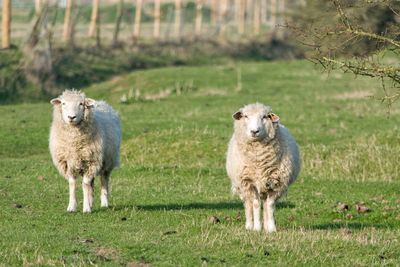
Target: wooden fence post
(94, 19)
(157, 15)
(249, 9)
(241, 20)
(67, 22)
(38, 6)
(256, 17)
(281, 12)
(118, 22)
(273, 13)
(178, 11)
(199, 17)
(138, 18)
(263, 11)
(6, 24)
(222, 18)
(214, 12)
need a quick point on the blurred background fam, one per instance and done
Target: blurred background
(50, 45)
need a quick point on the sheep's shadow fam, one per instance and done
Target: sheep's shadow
(196, 205)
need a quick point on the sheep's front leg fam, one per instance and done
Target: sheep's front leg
(72, 196)
(269, 220)
(87, 193)
(256, 214)
(248, 209)
(104, 189)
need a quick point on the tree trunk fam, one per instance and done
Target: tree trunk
(67, 22)
(241, 20)
(138, 19)
(6, 24)
(118, 22)
(199, 17)
(157, 15)
(178, 12)
(94, 19)
(256, 17)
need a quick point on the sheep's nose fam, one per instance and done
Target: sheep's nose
(254, 132)
(71, 117)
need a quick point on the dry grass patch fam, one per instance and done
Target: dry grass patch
(363, 159)
(354, 95)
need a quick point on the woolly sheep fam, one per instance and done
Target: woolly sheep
(262, 161)
(85, 139)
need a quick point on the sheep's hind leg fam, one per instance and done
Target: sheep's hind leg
(87, 193)
(91, 195)
(269, 220)
(72, 195)
(104, 189)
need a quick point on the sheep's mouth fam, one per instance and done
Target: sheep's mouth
(256, 136)
(73, 122)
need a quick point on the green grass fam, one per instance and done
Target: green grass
(172, 178)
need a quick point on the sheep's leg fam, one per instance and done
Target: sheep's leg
(104, 189)
(248, 209)
(269, 220)
(72, 196)
(256, 213)
(91, 195)
(87, 193)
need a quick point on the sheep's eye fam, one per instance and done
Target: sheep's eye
(80, 104)
(63, 104)
(265, 117)
(246, 116)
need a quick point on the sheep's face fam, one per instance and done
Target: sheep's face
(256, 121)
(73, 107)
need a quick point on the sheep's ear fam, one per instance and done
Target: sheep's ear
(55, 101)
(273, 117)
(89, 102)
(238, 115)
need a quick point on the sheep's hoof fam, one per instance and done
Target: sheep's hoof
(257, 227)
(249, 226)
(86, 210)
(71, 208)
(104, 203)
(270, 230)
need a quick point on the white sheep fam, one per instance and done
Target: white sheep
(85, 139)
(262, 161)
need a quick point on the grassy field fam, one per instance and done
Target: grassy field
(176, 125)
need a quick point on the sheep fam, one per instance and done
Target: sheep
(263, 159)
(85, 138)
